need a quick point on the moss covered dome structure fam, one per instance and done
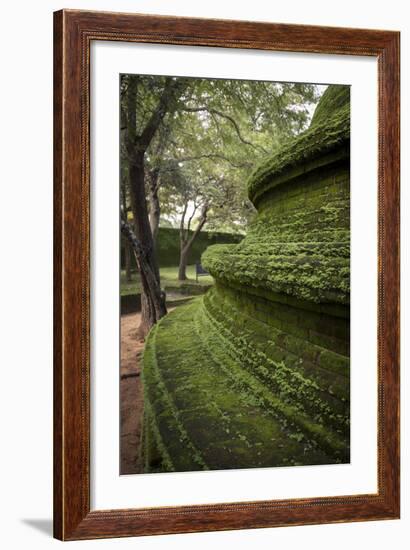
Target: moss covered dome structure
(255, 373)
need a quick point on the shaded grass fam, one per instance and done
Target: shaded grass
(169, 278)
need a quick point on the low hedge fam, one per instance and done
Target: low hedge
(168, 246)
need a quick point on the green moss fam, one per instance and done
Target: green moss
(330, 130)
(298, 245)
(334, 99)
(256, 372)
(232, 405)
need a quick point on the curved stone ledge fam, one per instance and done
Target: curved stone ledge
(304, 150)
(256, 372)
(225, 390)
(298, 245)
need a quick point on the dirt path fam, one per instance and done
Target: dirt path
(131, 396)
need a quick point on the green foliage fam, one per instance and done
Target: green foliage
(256, 372)
(212, 134)
(318, 140)
(232, 405)
(334, 99)
(298, 245)
(168, 246)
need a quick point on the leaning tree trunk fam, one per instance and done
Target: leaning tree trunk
(137, 144)
(148, 314)
(152, 299)
(154, 213)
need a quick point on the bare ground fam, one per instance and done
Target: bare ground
(131, 395)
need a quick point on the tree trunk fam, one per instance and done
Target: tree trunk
(186, 242)
(128, 253)
(183, 260)
(137, 144)
(148, 313)
(154, 213)
(152, 299)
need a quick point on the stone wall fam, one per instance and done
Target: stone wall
(256, 372)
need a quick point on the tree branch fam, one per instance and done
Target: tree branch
(168, 94)
(182, 223)
(213, 156)
(191, 217)
(198, 228)
(131, 115)
(231, 120)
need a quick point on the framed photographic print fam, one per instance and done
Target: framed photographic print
(226, 288)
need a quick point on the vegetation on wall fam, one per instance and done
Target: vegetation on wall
(187, 146)
(318, 140)
(299, 244)
(256, 372)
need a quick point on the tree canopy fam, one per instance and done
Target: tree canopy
(213, 134)
(188, 146)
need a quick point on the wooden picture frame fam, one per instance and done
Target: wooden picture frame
(73, 33)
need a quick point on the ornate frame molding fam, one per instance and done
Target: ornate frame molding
(73, 33)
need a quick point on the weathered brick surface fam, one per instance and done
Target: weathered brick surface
(256, 373)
